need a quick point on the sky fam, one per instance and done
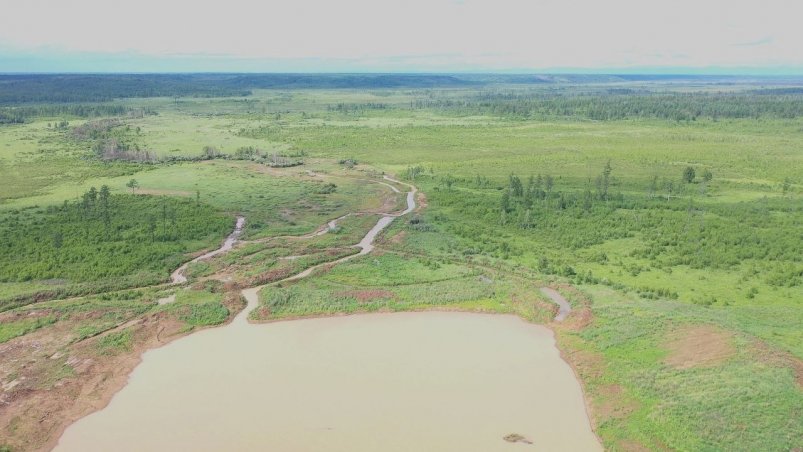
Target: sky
(717, 36)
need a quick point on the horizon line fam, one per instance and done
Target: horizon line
(647, 71)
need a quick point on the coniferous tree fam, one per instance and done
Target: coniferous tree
(688, 174)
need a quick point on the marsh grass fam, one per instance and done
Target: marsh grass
(197, 308)
(10, 330)
(115, 342)
(390, 283)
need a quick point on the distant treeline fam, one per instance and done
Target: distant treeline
(341, 81)
(53, 93)
(19, 115)
(619, 104)
(17, 89)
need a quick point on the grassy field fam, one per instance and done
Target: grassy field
(389, 282)
(687, 292)
(673, 375)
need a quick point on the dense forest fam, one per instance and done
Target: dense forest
(104, 235)
(22, 114)
(64, 88)
(18, 89)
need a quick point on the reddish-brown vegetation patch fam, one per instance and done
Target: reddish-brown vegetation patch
(60, 384)
(699, 345)
(422, 201)
(268, 277)
(612, 403)
(628, 445)
(398, 239)
(12, 316)
(779, 358)
(531, 307)
(578, 319)
(389, 202)
(580, 316)
(589, 368)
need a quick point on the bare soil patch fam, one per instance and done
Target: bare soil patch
(699, 346)
(389, 202)
(46, 401)
(422, 201)
(399, 238)
(49, 381)
(613, 403)
(627, 445)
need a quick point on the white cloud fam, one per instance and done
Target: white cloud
(495, 34)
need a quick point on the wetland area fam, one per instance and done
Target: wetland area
(388, 262)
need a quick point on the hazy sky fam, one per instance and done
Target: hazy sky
(394, 35)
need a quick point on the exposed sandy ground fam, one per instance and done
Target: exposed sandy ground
(36, 404)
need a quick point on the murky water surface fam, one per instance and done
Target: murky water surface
(379, 382)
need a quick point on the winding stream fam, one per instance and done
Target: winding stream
(366, 245)
(178, 277)
(564, 308)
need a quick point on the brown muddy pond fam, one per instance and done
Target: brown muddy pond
(377, 382)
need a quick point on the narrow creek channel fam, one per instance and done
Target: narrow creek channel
(178, 275)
